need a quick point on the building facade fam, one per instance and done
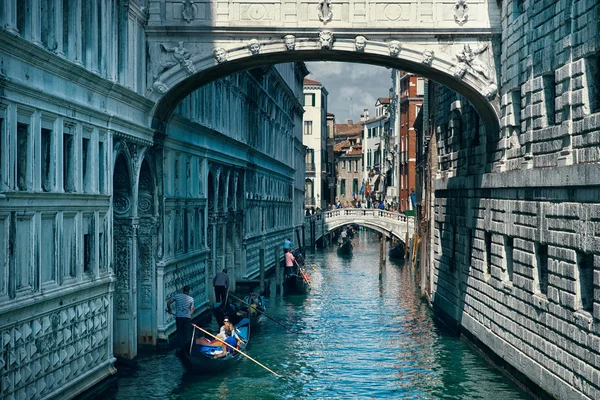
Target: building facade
(510, 235)
(408, 92)
(348, 155)
(315, 139)
(331, 166)
(374, 140)
(103, 219)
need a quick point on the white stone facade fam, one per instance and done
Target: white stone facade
(103, 218)
(315, 139)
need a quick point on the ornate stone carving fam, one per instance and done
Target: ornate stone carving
(325, 10)
(491, 91)
(160, 87)
(360, 42)
(188, 10)
(254, 46)
(290, 42)
(461, 12)
(220, 55)
(394, 47)
(43, 354)
(122, 305)
(145, 203)
(467, 59)
(180, 55)
(121, 203)
(326, 39)
(428, 56)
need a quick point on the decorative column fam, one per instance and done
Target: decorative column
(9, 19)
(58, 27)
(91, 48)
(35, 22)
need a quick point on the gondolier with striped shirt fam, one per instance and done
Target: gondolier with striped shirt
(184, 309)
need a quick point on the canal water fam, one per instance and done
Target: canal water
(359, 337)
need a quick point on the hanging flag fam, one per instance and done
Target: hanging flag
(362, 189)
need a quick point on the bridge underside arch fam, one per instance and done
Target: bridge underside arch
(330, 227)
(433, 59)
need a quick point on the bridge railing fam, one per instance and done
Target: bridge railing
(362, 213)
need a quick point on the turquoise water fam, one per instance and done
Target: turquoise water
(359, 338)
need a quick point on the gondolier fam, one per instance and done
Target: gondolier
(221, 283)
(184, 309)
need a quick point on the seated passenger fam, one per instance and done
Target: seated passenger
(230, 340)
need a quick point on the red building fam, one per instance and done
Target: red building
(409, 92)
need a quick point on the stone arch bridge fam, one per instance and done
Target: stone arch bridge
(191, 43)
(387, 223)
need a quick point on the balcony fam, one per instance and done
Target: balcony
(310, 168)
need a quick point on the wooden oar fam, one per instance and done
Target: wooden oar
(264, 313)
(303, 275)
(239, 351)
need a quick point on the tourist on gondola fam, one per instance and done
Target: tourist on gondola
(231, 341)
(221, 283)
(184, 308)
(289, 263)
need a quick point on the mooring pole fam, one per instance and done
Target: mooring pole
(261, 258)
(277, 269)
(381, 256)
(313, 239)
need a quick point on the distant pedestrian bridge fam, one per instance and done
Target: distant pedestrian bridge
(385, 222)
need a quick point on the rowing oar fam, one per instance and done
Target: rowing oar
(239, 351)
(264, 313)
(303, 274)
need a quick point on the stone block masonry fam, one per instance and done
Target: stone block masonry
(516, 255)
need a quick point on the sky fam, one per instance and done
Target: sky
(352, 87)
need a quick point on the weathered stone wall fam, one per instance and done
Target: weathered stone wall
(515, 244)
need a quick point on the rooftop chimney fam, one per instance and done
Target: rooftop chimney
(365, 115)
(350, 122)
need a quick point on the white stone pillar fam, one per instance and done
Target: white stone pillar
(91, 49)
(75, 41)
(9, 16)
(35, 26)
(36, 137)
(58, 27)
(59, 182)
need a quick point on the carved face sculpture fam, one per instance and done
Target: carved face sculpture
(360, 42)
(221, 55)
(326, 38)
(394, 47)
(428, 57)
(254, 46)
(290, 42)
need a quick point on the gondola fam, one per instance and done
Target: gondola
(254, 312)
(201, 358)
(236, 313)
(345, 248)
(397, 251)
(297, 283)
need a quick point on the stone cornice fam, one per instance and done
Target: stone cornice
(43, 59)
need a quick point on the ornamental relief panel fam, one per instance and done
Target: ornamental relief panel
(317, 13)
(52, 350)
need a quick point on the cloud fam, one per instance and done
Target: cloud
(352, 87)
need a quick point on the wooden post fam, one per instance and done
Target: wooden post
(381, 255)
(277, 269)
(303, 239)
(313, 239)
(261, 257)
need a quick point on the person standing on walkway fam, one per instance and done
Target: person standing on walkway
(221, 284)
(184, 309)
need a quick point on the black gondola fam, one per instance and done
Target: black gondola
(345, 248)
(201, 358)
(397, 251)
(297, 283)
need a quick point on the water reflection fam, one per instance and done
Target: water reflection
(359, 337)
